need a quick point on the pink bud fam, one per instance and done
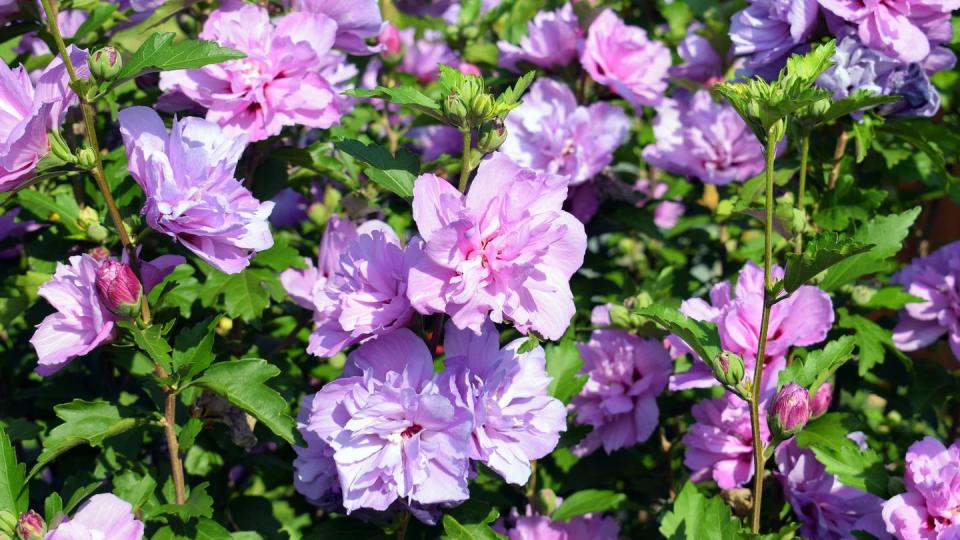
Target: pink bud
(118, 288)
(468, 69)
(821, 399)
(791, 408)
(31, 526)
(100, 253)
(390, 39)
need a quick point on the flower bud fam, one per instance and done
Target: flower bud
(86, 158)
(87, 216)
(59, 147)
(99, 253)
(455, 110)
(620, 316)
(389, 38)
(728, 369)
(790, 409)
(97, 232)
(118, 288)
(481, 107)
(820, 401)
(545, 502)
(106, 63)
(31, 526)
(491, 135)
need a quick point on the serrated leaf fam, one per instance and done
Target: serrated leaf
(280, 257)
(134, 488)
(511, 95)
(861, 99)
(819, 365)
(241, 382)
(151, 341)
(395, 181)
(193, 348)
(563, 365)
(871, 338)
(586, 502)
(159, 53)
(403, 95)
(822, 252)
(198, 505)
(702, 337)
(893, 297)
(697, 517)
(454, 530)
(827, 437)
(246, 294)
(13, 482)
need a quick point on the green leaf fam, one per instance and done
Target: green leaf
(13, 482)
(134, 488)
(95, 19)
(246, 294)
(396, 173)
(178, 290)
(454, 530)
(159, 53)
(700, 336)
(395, 181)
(46, 207)
(563, 365)
(861, 99)
(886, 233)
(52, 507)
(893, 297)
(827, 437)
(820, 365)
(402, 95)
(84, 422)
(697, 517)
(511, 96)
(151, 341)
(193, 348)
(807, 67)
(280, 257)
(530, 344)
(198, 505)
(819, 254)
(241, 382)
(871, 338)
(586, 502)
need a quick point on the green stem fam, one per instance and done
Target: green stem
(802, 188)
(465, 162)
(758, 457)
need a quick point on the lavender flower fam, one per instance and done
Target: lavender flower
(422, 57)
(927, 510)
(14, 231)
(586, 527)
(720, 443)
(356, 21)
(770, 30)
(551, 41)
(102, 516)
(934, 279)
(701, 63)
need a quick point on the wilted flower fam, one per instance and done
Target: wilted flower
(118, 288)
(928, 509)
(192, 195)
(356, 21)
(934, 279)
(623, 58)
(770, 30)
(514, 419)
(702, 138)
(551, 41)
(619, 400)
(103, 516)
(550, 132)
(820, 400)
(790, 409)
(505, 249)
(289, 77)
(827, 508)
(393, 435)
(720, 443)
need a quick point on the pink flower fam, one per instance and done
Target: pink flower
(619, 400)
(585, 527)
(289, 77)
(621, 57)
(928, 509)
(192, 195)
(422, 57)
(667, 212)
(102, 516)
(791, 408)
(389, 40)
(505, 249)
(720, 443)
(934, 279)
(820, 400)
(118, 288)
(550, 132)
(514, 419)
(356, 21)
(551, 41)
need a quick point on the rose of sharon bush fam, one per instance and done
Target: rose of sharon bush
(934, 279)
(720, 443)
(289, 77)
(622, 57)
(619, 400)
(505, 249)
(514, 420)
(928, 509)
(192, 195)
(550, 132)
(103, 516)
(551, 41)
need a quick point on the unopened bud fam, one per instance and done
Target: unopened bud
(491, 135)
(106, 63)
(455, 110)
(118, 288)
(87, 216)
(224, 325)
(820, 401)
(481, 107)
(728, 369)
(620, 316)
(545, 502)
(86, 158)
(790, 409)
(389, 38)
(99, 253)
(59, 147)
(97, 232)
(31, 526)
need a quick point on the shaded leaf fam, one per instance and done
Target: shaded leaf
(13, 482)
(827, 437)
(697, 517)
(819, 254)
(586, 502)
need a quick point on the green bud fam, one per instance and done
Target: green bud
(779, 130)
(455, 110)
(491, 135)
(87, 216)
(106, 63)
(728, 369)
(861, 294)
(97, 232)
(642, 300)
(59, 147)
(318, 213)
(620, 316)
(481, 107)
(545, 502)
(86, 158)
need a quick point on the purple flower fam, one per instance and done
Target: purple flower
(68, 21)
(585, 527)
(826, 508)
(289, 208)
(820, 400)
(619, 400)
(14, 231)
(118, 288)
(289, 77)
(667, 213)
(356, 21)
(550, 132)
(928, 509)
(770, 30)
(720, 443)
(801, 320)
(551, 41)
(505, 249)
(934, 279)
(790, 408)
(702, 138)
(436, 140)
(393, 435)
(192, 195)
(102, 516)
(621, 57)
(918, 96)
(432, 8)
(514, 419)
(422, 57)
(701, 63)
(315, 473)
(907, 30)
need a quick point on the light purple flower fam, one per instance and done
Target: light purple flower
(514, 419)
(720, 443)
(393, 435)
(505, 249)
(551, 41)
(770, 30)
(436, 140)
(801, 320)
(192, 195)
(585, 527)
(102, 516)
(619, 400)
(13, 231)
(928, 509)
(623, 58)
(701, 63)
(314, 470)
(820, 400)
(422, 57)
(934, 279)
(356, 21)
(289, 208)
(68, 21)
(907, 30)
(827, 509)
(667, 212)
(550, 132)
(289, 77)
(702, 138)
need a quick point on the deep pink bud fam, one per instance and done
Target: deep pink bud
(821, 399)
(791, 408)
(31, 526)
(118, 288)
(99, 253)
(390, 39)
